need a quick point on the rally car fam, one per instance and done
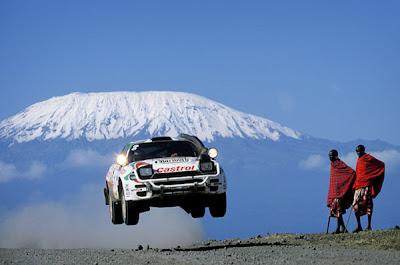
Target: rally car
(165, 172)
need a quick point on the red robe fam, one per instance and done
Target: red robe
(370, 172)
(341, 182)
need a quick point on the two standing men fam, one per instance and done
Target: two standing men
(354, 188)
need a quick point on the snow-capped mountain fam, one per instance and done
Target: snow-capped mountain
(112, 115)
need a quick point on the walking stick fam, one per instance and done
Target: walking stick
(329, 220)
(348, 218)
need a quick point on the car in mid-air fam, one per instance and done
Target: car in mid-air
(165, 172)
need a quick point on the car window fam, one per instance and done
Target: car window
(162, 149)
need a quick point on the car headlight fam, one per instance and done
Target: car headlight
(213, 152)
(145, 171)
(121, 160)
(206, 166)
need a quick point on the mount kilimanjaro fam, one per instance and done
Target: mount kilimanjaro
(113, 115)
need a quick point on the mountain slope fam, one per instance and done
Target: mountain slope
(111, 115)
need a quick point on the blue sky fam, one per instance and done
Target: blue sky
(329, 69)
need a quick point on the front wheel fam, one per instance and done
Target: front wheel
(115, 211)
(218, 205)
(130, 215)
(198, 211)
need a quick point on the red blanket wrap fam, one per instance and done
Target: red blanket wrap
(370, 172)
(341, 183)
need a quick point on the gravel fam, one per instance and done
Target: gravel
(378, 247)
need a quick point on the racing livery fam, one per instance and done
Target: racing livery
(165, 172)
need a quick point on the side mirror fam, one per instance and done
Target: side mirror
(121, 160)
(212, 152)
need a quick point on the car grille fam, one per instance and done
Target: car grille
(181, 174)
(178, 182)
(180, 191)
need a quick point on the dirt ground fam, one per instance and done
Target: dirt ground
(373, 247)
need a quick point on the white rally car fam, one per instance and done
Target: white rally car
(165, 172)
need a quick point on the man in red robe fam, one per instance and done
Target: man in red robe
(340, 195)
(370, 173)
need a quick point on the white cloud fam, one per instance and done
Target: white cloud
(350, 159)
(313, 162)
(390, 157)
(36, 170)
(9, 172)
(82, 221)
(86, 157)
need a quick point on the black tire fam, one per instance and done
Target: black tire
(106, 196)
(130, 215)
(115, 211)
(198, 211)
(218, 205)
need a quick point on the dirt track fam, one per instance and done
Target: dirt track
(378, 247)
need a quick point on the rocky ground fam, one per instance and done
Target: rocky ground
(377, 247)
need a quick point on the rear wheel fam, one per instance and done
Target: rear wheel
(115, 211)
(130, 215)
(218, 206)
(198, 211)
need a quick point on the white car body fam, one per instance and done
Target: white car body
(175, 181)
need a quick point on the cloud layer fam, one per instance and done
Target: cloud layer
(82, 221)
(85, 158)
(316, 162)
(390, 157)
(77, 158)
(313, 162)
(9, 172)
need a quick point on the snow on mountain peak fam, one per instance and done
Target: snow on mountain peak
(111, 115)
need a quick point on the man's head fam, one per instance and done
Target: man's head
(333, 155)
(360, 150)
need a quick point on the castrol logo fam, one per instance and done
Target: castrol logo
(175, 169)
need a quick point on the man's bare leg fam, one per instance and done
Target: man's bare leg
(339, 224)
(369, 227)
(359, 227)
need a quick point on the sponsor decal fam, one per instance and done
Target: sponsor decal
(173, 160)
(175, 169)
(141, 164)
(134, 147)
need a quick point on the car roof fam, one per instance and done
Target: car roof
(155, 139)
(181, 137)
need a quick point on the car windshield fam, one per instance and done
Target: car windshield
(162, 149)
